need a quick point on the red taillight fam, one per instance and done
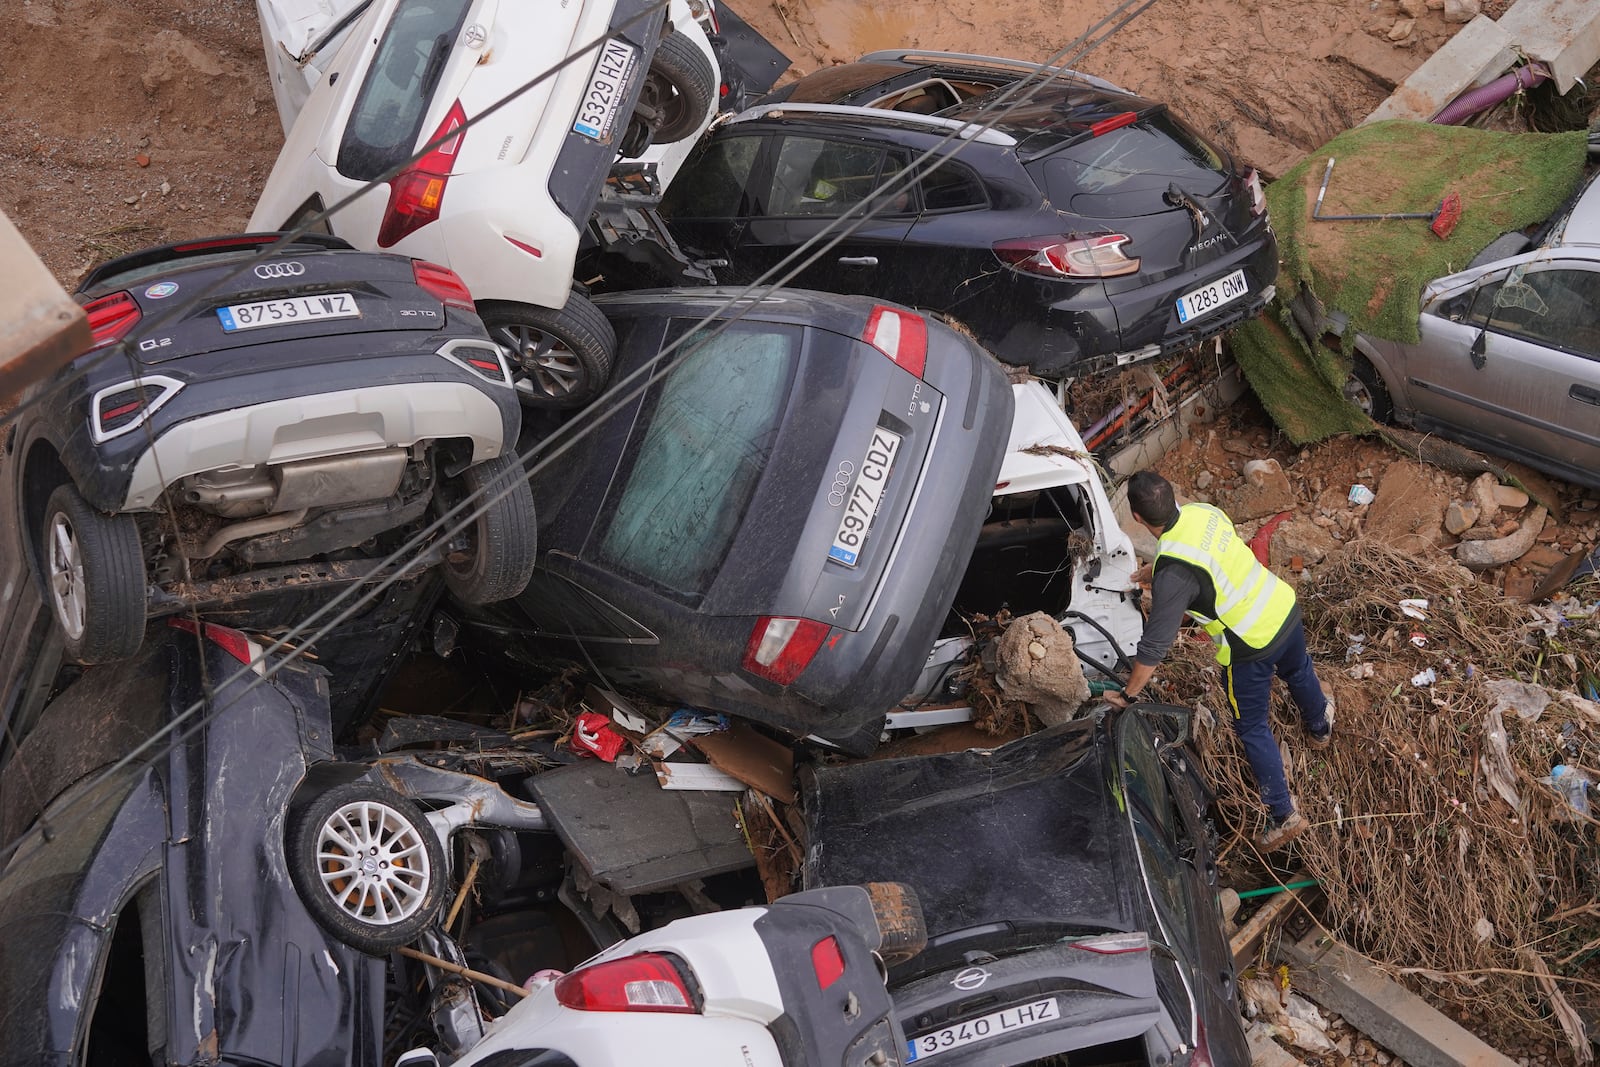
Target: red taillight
(1258, 195)
(900, 335)
(646, 982)
(443, 283)
(827, 961)
(226, 242)
(1115, 122)
(779, 649)
(525, 247)
(229, 640)
(416, 193)
(116, 409)
(1069, 257)
(111, 317)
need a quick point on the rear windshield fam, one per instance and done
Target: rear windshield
(387, 117)
(704, 438)
(1125, 172)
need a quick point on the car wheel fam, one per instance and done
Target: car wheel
(679, 89)
(559, 358)
(94, 578)
(368, 866)
(900, 921)
(1365, 389)
(499, 548)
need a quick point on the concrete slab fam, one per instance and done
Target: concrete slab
(1265, 1052)
(1564, 35)
(40, 326)
(1478, 52)
(1385, 63)
(1385, 1011)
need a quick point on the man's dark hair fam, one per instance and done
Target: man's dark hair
(1150, 497)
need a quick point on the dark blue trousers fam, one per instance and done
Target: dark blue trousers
(1250, 693)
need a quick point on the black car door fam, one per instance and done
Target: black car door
(819, 188)
(707, 201)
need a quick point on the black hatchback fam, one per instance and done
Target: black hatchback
(1072, 226)
(1070, 890)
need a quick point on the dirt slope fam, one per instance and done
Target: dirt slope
(89, 88)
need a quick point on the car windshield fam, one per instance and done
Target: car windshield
(389, 109)
(1127, 171)
(708, 430)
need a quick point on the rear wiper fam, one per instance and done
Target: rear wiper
(436, 59)
(1178, 197)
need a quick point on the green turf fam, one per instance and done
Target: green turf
(1374, 271)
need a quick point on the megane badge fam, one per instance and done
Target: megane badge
(970, 979)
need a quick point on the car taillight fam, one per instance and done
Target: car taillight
(111, 317)
(1258, 196)
(443, 283)
(485, 360)
(226, 638)
(827, 961)
(416, 193)
(646, 982)
(779, 648)
(1069, 257)
(900, 335)
(116, 409)
(1113, 944)
(1115, 122)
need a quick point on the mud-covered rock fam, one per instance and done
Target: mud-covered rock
(1035, 662)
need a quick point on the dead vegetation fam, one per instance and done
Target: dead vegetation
(1442, 850)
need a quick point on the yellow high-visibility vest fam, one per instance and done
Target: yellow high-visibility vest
(1250, 600)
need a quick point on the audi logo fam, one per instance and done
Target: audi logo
(841, 481)
(288, 269)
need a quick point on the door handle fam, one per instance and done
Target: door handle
(858, 261)
(1584, 394)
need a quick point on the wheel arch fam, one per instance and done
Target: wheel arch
(41, 471)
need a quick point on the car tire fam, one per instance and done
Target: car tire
(900, 921)
(680, 87)
(1365, 389)
(94, 578)
(502, 541)
(367, 865)
(559, 358)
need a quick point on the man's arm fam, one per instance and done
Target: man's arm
(1173, 589)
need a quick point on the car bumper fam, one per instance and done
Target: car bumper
(248, 419)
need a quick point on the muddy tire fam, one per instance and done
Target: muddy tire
(560, 358)
(900, 921)
(368, 866)
(501, 544)
(680, 88)
(94, 581)
(1365, 389)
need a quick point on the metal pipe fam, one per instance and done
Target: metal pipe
(249, 528)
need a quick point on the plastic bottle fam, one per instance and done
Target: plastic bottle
(1572, 784)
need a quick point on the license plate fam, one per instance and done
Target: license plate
(995, 1024)
(1211, 296)
(287, 310)
(862, 498)
(598, 111)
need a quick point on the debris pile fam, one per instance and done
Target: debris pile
(1446, 849)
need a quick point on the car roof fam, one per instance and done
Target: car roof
(1582, 225)
(892, 820)
(877, 120)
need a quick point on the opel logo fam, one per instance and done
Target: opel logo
(970, 979)
(289, 269)
(840, 481)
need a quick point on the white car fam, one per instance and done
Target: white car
(797, 981)
(505, 201)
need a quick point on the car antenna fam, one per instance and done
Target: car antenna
(1441, 220)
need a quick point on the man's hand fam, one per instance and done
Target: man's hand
(1115, 698)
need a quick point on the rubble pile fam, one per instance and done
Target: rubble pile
(1441, 843)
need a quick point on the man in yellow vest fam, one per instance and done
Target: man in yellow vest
(1203, 568)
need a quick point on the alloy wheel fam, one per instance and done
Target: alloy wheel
(548, 367)
(68, 591)
(373, 863)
